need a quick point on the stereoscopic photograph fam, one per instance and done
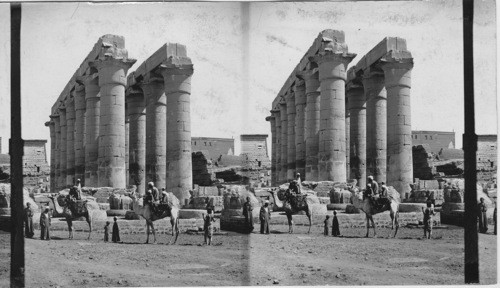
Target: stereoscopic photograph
(248, 143)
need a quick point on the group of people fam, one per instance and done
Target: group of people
(45, 221)
(264, 216)
(115, 236)
(153, 197)
(374, 192)
(335, 225)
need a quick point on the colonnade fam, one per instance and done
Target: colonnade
(106, 126)
(346, 123)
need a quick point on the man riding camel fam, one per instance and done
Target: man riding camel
(152, 196)
(373, 194)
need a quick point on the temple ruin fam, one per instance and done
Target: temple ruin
(106, 126)
(330, 123)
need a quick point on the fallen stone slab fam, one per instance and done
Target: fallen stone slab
(351, 209)
(336, 206)
(116, 212)
(130, 215)
(411, 207)
(191, 213)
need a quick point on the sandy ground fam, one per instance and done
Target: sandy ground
(236, 259)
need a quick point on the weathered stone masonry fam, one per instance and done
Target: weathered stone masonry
(106, 126)
(367, 133)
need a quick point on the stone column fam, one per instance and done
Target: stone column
(397, 72)
(156, 130)
(277, 150)
(93, 108)
(284, 141)
(111, 159)
(376, 119)
(332, 150)
(272, 121)
(80, 133)
(57, 159)
(357, 133)
(137, 142)
(311, 78)
(290, 110)
(177, 72)
(127, 138)
(347, 140)
(70, 140)
(51, 126)
(62, 148)
(300, 117)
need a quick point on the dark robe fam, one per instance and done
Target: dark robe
(28, 222)
(115, 236)
(45, 226)
(335, 226)
(247, 212)
(483, 220)
(264, 219)
(106, 233)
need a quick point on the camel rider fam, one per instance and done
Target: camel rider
(75, 192)
(368, 191)
(299, 183)
(383, 190)
(374, 185)
(164, 196)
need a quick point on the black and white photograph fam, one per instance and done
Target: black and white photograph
(159, 144)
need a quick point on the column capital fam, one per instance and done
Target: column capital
(328, 56)
(397, 60)
(177, 65)
(270, 118)
(48, 123)
(107, 61)
(62, 106)
(133, 92)
(54, 116)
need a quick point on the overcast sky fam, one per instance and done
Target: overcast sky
(57, 37)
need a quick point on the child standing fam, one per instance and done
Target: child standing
(115, 236)
(326, 225)
(428, 222)
(335, 225)
(208, 227)
(106, 232)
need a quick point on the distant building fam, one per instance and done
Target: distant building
(486, 158)
(35, 157)
(254, 149)
(436, 140)
(213, 146)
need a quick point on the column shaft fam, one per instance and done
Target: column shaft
(62, 148)
(156, 131)
(311, 78)
(357, 134)
(277, 150)
(92, 114)
(51, 125)
(80, 133)
(399, 149)
(300, 117)
(284, 142)
(177, 79)
(111, 154)
(57, 160)
(376, 119)
(137, 141)
(290, 110)
(127, 141)
(347, 141)
(332, 150)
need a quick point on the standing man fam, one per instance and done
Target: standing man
(374, 185)
(247, 212)
(45, 225)
(483, 220)
(154, 192)
(264, 217)
(28, 221)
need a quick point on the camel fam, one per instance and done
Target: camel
(292, 209)
(69, 212)
(366, 206)
(145, 212)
